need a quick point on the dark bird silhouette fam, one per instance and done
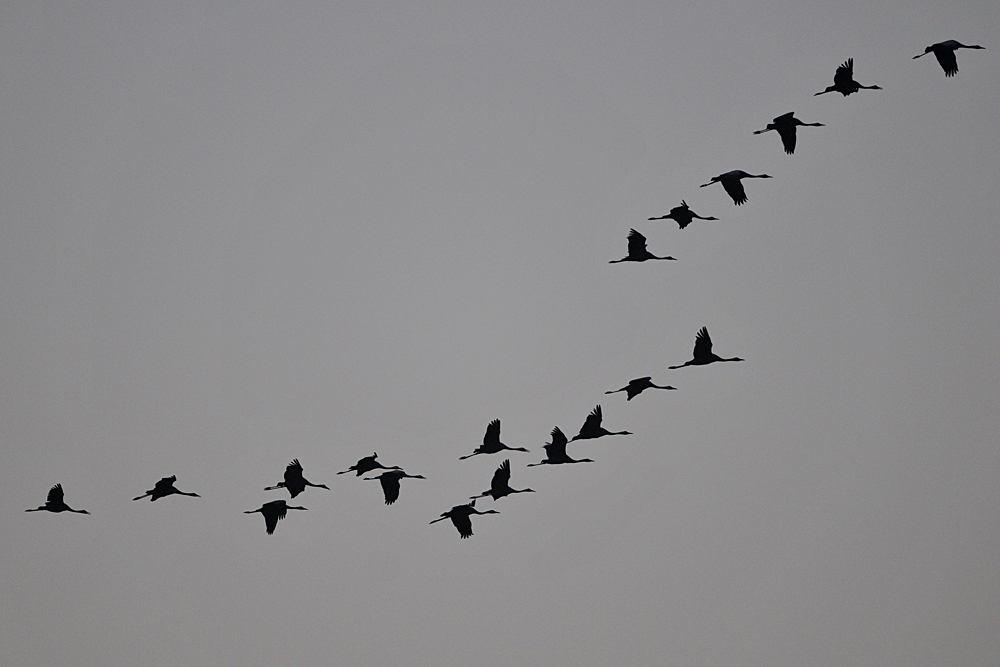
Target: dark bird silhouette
(500, 486)
(390, 483)
(164, 487)
(945, 54)
(637, 250)
(784, 125)
(367, 464)
(460, 515)
(637, 386)
(555, 451)
(491, 442)
(682, 215)
(592, 427)
(703, 351)
(843, 81)
(731, 182)
(273, 511)
(54, 502)
(294, 481)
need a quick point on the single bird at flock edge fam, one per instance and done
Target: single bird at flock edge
(703, 352)
(637, 250)
(273, 512)
(731, 182)
(460, 516)
(165, 487)
(785, 125)
(945, 54)
(54, 502)
(682, 215)
(843, 81)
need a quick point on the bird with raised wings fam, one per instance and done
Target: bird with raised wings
(637, 386)
(491, 442)
(592, 427)
(273, 512)
(703, 351)
(500, 486)
(843, 81)
(555, 451)
(294, 481)
(54, 502)
(390, 483)
(731, 181)
(637, 250)
(461, 517)
(785, 125)
(682, 215)
(945, 54)
(165, 487)
(367, 464)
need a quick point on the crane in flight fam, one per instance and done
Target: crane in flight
(164, 487)
(703, 351)
(555, 451)
(785, 125)
(461, 517)
(682, 215)
(637, 386)
(637, 250)
(294, 481)
(592, 427)
(54, 502)
(731, 182)
(945, 54)
(843, 81)
(491, 442)
(367, 464)
(500, 486)
(273, 512)
(390, 483)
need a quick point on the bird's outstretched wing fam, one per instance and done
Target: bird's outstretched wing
(593, 420)
(702, 344)
(787, 134)
(55, 496)
(501, 477)
(492, 436)
(558, 444)
(636, 244)
(463, 523)
(390, 488)
(293, 470)
(734, 188)
(946, 57)
(845, 73)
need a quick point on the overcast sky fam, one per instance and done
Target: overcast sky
(237, 235)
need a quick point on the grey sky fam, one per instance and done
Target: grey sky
(238, 235)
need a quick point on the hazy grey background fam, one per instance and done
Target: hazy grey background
(236, 235)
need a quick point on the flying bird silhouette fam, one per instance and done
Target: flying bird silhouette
(500, 486)
(703, 351)
(460, 515)
(843, 81)
(784, 125)
(164, 487)
(682, 215)
(54, 502)
(945, 54)
(491, 442)
(555, 451)
(367, 464)
(592, 427)
(637, 250)
(731, 182)
(637, 386)
(294, 481)
(273, 511)
(390, 483)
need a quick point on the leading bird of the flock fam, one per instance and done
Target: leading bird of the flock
(637, 250)
(945, 54)
(165, 487)
(367, 464)
(592, 427)
(54, 502)
(390, 483)
(294, 481)
(460, 515)
(500, 486)
(555, 451)
(731, 182)
(491, 442)
(273, 511)
(784, 125)
(843, 81)
(703, 351)
(637, 386)
(682, 215)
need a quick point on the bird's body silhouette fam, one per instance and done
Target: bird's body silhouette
(500, 486)
(294, 481)
(637, 386)
(461, 516)
(165, 487)
(682, 215)
(54, 502)
(273, 512)
(785, 125)
(731, 182)
(491, 442)
(592, 427)
(843, 81)
(945, 54)
(367, 464)
(390, 483)
(555, 451)
(703, 351)
(637, 250)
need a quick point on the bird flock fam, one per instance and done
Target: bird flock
(555, 451)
